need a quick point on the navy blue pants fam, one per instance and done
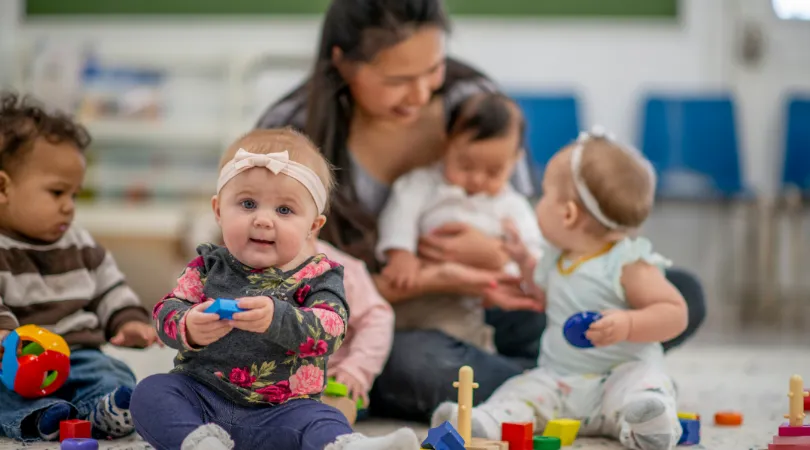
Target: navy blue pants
(168, 407)
(93, 375)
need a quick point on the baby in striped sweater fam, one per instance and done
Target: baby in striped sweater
(53, 274)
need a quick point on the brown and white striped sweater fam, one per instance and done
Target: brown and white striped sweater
(71, 287)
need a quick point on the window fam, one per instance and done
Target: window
(792, 9)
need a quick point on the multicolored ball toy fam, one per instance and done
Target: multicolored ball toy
(43, 366)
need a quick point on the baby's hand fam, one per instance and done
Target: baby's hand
(354, 386)
(135, 335)
(513, 245)
(205, 328)
(258, 315)
(402, 268)
(613, 327)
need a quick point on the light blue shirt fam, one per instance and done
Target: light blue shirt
(593, 286)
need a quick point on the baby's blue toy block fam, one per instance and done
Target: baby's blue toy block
(444, 437)
(691, 432)
(224, 307)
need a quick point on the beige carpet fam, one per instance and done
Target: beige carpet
(752, 380)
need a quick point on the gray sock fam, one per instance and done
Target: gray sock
(649, 426)
(208, 437)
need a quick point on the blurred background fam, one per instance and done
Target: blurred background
(715, 92)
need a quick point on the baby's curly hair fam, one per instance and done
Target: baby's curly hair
(23, 120)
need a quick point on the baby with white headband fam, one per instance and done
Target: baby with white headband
(596, 193)
(255, 378)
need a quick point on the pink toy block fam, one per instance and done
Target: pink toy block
(792, 440)
(788, 447)
(787, 430)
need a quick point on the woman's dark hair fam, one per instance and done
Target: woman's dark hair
(23, 120)
(488, 115)
(360, 29)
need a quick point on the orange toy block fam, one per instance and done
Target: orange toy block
(74, 429)
(728, 418)
(518, 435)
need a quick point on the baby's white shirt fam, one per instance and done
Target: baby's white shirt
(422, 201)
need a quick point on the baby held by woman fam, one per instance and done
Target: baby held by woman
(470, 185)
(596, 193)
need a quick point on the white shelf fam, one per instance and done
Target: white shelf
(153, 220)
(155, 132)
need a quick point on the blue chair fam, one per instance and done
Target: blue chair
(796, 170)
(552, 121)
(692, 142)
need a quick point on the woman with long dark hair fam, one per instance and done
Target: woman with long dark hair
(378, 103)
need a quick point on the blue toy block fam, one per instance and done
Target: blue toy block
(576, 326)
(691, 432)
(79, 444)
(225, 307)
(444, 437)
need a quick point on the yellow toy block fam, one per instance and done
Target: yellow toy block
(688, 416)
(565, 429)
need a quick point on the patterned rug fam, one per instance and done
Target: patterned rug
(751, 380)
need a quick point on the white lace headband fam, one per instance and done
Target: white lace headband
(582, 188)
(277, 163)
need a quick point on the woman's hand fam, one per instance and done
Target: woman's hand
(462, 243)
(508, 296)
(448, 277)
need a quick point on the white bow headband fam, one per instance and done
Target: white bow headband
(277, 163)
(582, 188)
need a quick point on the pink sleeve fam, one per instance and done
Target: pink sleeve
(371, 321)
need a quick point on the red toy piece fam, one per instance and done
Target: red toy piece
(787, 430)
(74, 429)
(807, 401)
(518, 435)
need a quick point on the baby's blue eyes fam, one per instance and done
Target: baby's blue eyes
(251, 204)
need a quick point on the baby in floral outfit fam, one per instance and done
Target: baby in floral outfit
(257, 378)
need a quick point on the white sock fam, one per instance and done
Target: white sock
(483, 423)
(649, 424)
(208, 437)
(402, 439)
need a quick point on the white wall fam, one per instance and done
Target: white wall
(607, 62)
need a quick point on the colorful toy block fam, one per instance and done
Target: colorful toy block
(443, 437)
(74, 429)
(224, 307)
(565, 429)
(79, 444)
(794, 435)
(728, 418)
(788, 430)
(691, 432)
(518, 435)
(546, 443)
(689, 415)
(577, 325)
(41, 369)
